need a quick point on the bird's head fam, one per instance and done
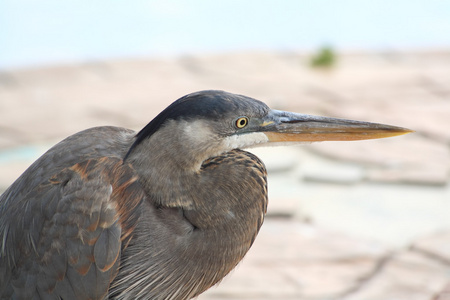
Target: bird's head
(207, 123)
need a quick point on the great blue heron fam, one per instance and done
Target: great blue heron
(162, 214)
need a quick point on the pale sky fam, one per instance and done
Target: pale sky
(40, 32)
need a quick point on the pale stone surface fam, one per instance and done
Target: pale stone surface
(436, 245)
(444, 294)
(297, 261)
(407, 276)
(409, 159)
(333, 172)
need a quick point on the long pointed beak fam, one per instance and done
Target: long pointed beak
(281, 126)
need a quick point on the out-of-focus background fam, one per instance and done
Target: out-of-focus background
(356, 220)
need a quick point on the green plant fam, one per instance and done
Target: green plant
(324, 58)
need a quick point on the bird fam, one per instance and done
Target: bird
(164, 213)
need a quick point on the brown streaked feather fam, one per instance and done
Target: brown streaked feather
(126, 192)
(68, 242)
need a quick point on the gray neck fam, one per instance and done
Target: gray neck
(168, 161)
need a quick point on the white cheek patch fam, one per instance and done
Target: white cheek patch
(197, 130)
(245, 140)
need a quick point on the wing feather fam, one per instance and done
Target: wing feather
(107, 248)
(64, 238)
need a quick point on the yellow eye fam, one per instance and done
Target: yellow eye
(241, 122)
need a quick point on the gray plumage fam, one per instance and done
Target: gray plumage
(162, 214)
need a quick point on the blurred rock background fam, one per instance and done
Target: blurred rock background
(356, 220)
